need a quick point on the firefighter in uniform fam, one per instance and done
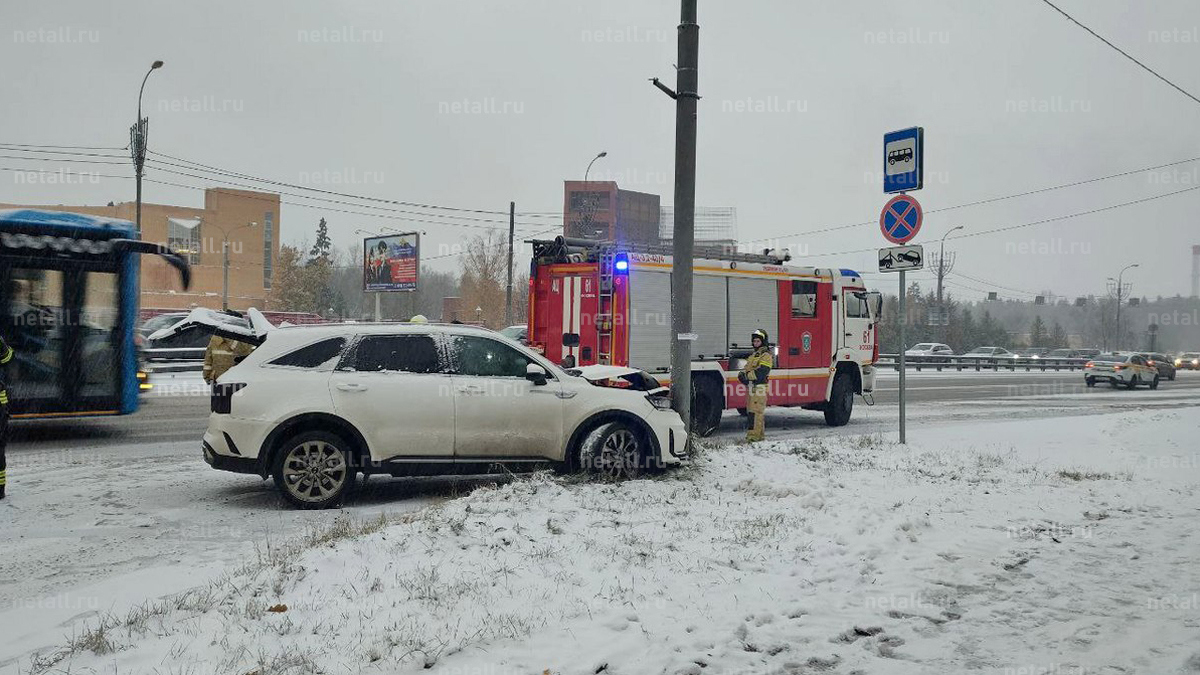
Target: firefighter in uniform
(221, 355)
(6, 355)
(754, 375)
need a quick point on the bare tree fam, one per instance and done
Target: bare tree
(484, 275)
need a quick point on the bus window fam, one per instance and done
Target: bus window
(30, 311)
(99, 335)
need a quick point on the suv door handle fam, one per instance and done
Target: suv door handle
(470, 389)
(351, 386)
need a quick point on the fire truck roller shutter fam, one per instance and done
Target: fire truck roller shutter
(709, 303)
(753, 304)
(650, 320)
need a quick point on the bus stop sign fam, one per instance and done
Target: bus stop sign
(901, 219)
(903, 160)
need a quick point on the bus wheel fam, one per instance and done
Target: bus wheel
(841, 402)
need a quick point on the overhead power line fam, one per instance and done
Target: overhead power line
(318, 207)
(1033, 223)
(157, 163)
(989, 200)
(212, 169)
(1124, 53)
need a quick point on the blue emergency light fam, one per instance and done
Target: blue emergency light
(621, 262)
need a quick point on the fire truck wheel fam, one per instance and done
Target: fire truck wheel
(706, 408)
(743, 412)
(841, 402)
(615, 450)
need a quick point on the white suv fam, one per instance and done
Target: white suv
(315, 405)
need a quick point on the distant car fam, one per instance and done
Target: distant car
(928, 352)
(1089, 353)
(1119, 369)
(1065, 354)
(518, 333)
(1031, 353)
(990, 353)
(1166, 368)
(186, 345)
(160, 321)
(1188, 361)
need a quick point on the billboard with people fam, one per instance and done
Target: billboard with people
(391, 263)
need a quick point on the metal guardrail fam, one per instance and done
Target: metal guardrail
(174, 354)
(176, 366)
(980, 364)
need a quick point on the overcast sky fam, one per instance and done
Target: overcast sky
(474, 104)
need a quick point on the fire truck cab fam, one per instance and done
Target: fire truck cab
(599, 303)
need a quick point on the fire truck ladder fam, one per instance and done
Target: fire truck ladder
(604, 309)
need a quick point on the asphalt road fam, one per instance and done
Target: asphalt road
(179, 412)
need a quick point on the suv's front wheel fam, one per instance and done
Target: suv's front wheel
(313, 470)
(614, 450)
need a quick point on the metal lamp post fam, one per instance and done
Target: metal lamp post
(225, 254)
(589, 166)
(1120, 291)
(137, 145)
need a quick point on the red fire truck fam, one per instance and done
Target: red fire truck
(599, 303)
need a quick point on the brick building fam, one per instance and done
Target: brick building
(251, 220)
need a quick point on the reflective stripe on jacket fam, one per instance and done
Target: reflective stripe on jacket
(758, 366)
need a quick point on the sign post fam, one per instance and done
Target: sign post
(900, 221)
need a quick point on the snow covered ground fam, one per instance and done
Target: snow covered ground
(1057, 546)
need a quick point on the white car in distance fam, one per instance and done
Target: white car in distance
(313, 406)
(928, 352)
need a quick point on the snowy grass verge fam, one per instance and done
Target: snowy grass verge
(829, 555)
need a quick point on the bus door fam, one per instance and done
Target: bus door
(64, 322)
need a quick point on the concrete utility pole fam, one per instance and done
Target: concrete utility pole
(512, 215)
(137, 145)
(686, 95)
(944, 264)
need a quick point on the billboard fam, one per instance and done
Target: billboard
(391, 263)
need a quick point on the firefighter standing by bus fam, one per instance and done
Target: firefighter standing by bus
(6, 355)
(754, 375)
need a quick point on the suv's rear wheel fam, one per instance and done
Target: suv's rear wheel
(614, 450)
(314, 470)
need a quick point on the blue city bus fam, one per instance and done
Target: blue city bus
(69, 308)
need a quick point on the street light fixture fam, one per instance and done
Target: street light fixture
(589, 166)
(137, 146)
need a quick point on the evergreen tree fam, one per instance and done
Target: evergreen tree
(1058, 336)
(968, 332)
(1037, 333)
(323, 247)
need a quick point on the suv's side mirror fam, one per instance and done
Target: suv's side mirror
(535, 374)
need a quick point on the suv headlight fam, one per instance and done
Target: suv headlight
(660, 401)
